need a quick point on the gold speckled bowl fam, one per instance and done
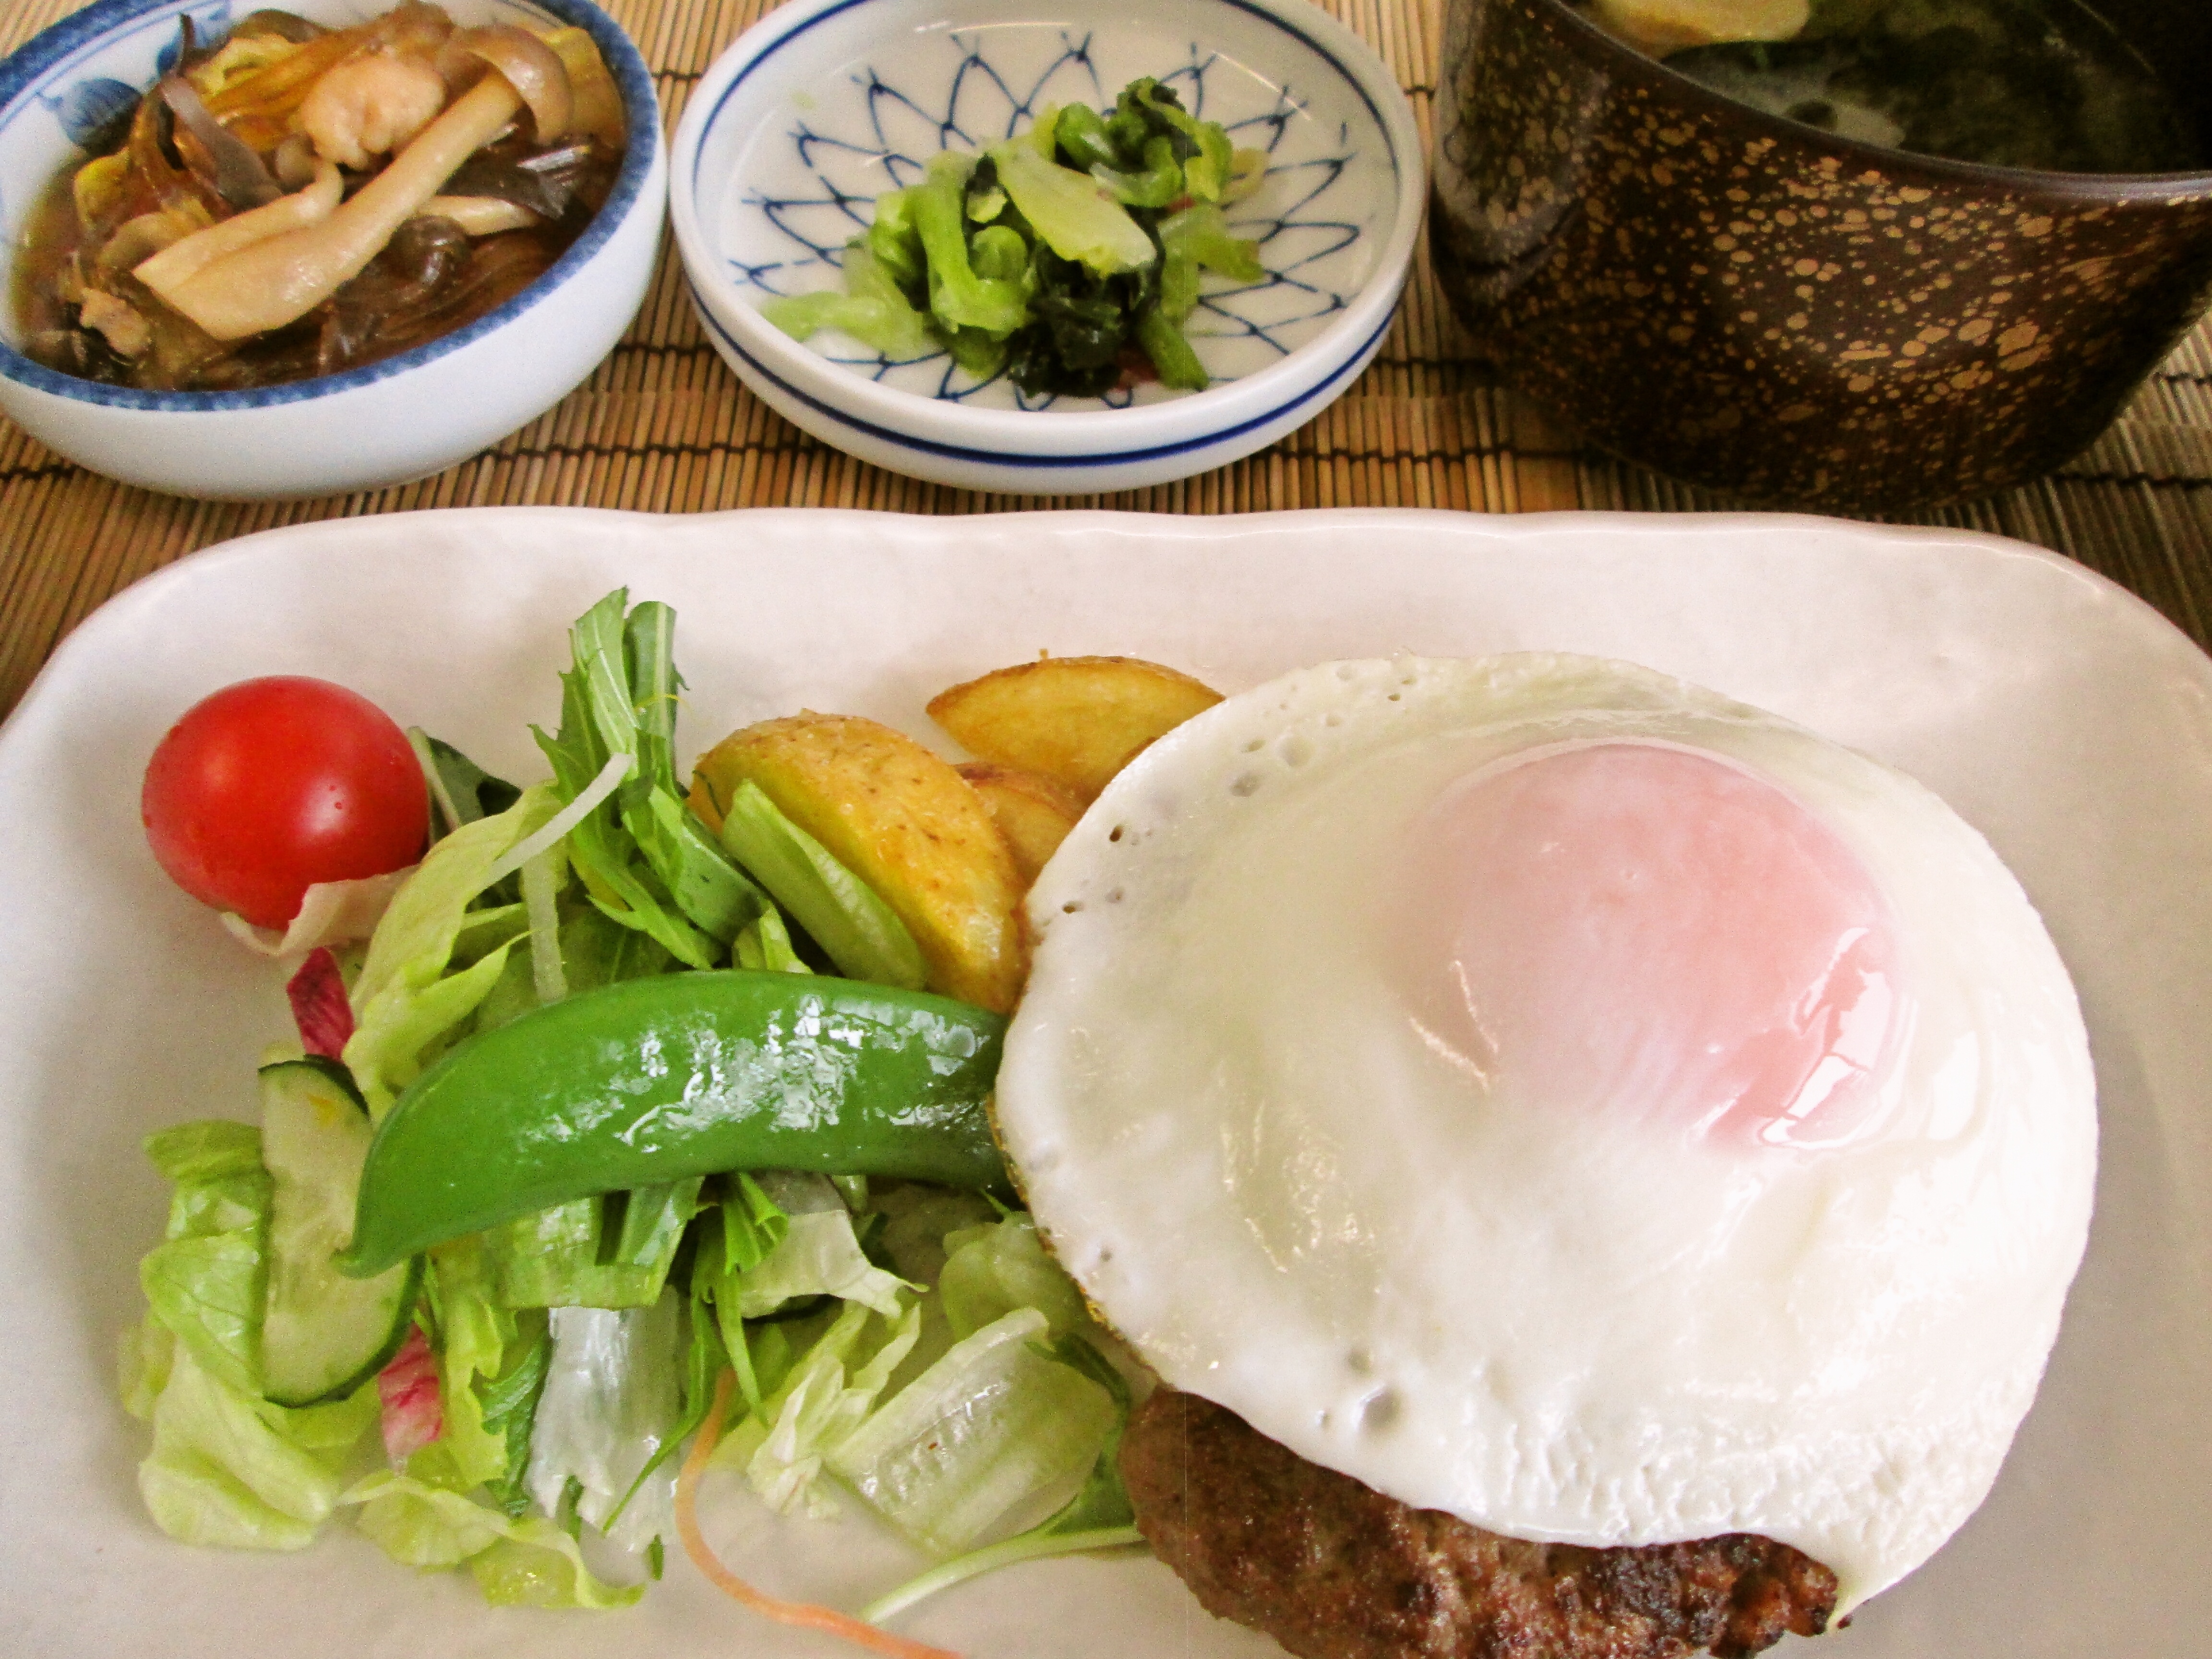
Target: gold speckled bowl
(1746, 303)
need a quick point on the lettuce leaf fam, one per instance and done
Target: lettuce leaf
(526, 1562)
(819, 1255)
(573, 1254)
(612, 1399)
(990, 1271)
(421, 1522)
(841, 913)
(210, 1150)
(783, 1448)
(765, 946)
(985, 1432)
(225, 1471)
(405, 999)
(475, 1331)
(208, 1293)
(206, 1282)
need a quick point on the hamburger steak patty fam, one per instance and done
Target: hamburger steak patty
(1332, 1569)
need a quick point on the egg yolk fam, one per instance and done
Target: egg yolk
(1633, 927)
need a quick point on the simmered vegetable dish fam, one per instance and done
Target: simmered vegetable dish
(293, 201)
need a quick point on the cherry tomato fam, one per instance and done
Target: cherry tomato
(272, 785)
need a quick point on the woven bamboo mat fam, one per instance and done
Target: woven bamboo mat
(663, 426)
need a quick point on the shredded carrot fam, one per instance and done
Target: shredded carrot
(806, 1615)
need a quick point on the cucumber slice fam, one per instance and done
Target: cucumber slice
(322, 1334)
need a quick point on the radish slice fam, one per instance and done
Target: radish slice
(320, 1008)
(413, 1416)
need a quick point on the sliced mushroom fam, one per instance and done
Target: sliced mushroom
(479, 215)
(137, 240)
(174, 266)
(280, 279)
(534, 69)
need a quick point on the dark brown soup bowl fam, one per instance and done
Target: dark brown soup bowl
(1746, 303)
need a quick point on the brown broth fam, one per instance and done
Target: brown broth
(2043, 84)
(388, 308)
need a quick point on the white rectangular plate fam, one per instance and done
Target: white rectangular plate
(2062, 717)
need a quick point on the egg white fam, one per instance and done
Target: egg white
(1559, 1327)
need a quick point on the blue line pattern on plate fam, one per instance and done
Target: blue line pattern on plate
(882, 131)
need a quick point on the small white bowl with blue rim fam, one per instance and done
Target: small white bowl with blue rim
(408, 416)
(826, 104)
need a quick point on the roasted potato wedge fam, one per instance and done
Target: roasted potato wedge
(1032, 812)
(902, 820)
(1075, 720)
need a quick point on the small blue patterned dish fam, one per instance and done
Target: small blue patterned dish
(411, 414)
(826, 104)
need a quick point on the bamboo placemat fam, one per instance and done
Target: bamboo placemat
(662, 426)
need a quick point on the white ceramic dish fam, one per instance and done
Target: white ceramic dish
(405, 417)
(825, 104)
(2061, 716)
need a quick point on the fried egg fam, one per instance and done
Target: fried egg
(1555, 1094)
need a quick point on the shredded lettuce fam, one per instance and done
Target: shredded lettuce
(819, 1255)
(990, 1271)
(986, 1432)
(528, 1561)
(209, 1292)
(611, 1400)
(475, 1331)
(206, 1282)
(765, 946)
(611, 1251)
(863, 935)
(570, 1372)
(783, 1448)
(228, 1469)
(406, 1000)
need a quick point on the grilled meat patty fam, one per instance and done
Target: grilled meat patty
(1332, 1569)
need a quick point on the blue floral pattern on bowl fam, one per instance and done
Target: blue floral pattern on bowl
(71, 84)
(809, 182)
(87, 109)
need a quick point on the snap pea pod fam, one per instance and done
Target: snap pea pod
(655, 1080)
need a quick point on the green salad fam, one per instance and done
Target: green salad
(620, 1132)
(1067, 258)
